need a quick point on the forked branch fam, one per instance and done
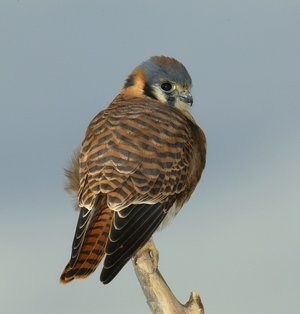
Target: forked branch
(160, 298)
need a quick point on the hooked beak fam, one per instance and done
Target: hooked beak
(186, 98)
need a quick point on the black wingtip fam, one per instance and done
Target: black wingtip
(144, 220)
(107, 275)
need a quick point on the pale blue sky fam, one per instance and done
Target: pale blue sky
(237, 241)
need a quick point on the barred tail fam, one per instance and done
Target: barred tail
(89, 243)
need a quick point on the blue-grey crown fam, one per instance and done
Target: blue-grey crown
(161, 67)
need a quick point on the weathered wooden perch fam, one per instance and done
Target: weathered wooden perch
(160, 298)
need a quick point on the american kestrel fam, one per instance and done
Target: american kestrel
(139, 162)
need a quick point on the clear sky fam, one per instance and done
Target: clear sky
(237, 242)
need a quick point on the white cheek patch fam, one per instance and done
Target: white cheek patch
(160, 95)
(184, 108)
(182, 105)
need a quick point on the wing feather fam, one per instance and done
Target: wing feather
(124, 242)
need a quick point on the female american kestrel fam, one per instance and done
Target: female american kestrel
(139, 162)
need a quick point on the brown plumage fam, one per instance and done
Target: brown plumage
(139, 163)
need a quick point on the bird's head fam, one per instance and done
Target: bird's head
(164, 79)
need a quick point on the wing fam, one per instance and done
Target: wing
(146, 158)
(129, 232)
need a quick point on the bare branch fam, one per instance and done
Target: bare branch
(160, 298)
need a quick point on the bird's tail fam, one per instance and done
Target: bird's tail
(89, 243)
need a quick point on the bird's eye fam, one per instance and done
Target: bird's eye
(166, 86)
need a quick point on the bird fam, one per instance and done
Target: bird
(139, 162)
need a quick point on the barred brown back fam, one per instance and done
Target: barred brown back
(135, 153)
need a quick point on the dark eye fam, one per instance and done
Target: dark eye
(166, 86)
